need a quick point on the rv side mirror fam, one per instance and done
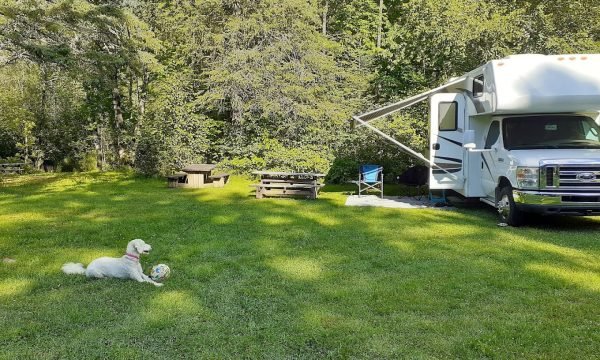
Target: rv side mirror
(469, 139)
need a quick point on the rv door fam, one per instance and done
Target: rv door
(446, 138)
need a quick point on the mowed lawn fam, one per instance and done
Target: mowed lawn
(281, 278)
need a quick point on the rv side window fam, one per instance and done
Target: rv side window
(492, 135)
(478, 86)
(447, 113)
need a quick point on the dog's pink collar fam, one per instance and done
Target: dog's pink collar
(132, 257)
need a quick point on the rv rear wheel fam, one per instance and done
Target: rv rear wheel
(509, 213)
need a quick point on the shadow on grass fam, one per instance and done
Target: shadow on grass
(289, 278)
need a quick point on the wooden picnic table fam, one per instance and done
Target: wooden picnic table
(197, 176)
(287, 184)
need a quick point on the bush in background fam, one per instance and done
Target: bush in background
(365, 147)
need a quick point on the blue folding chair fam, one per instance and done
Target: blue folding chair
(370, 177)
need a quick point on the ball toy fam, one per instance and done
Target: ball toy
(160, 272)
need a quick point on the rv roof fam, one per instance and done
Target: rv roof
(524, 56)
(543, 83)
(523, 83)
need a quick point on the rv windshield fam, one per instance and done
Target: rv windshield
(550, 132)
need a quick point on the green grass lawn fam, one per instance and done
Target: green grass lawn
(281, 278)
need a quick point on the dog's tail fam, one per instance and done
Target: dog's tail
(73, 269)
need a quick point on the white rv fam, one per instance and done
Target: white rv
(520, 134)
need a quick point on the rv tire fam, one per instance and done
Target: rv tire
(509, 213)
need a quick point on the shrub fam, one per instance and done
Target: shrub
(147, 157)
(343, 170)
(11, 160)
(272, 155)
(89, 162)
(240, 165)
(67, 165)
(364, 147)
(299, 159)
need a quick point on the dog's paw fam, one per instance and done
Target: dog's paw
(158, 284)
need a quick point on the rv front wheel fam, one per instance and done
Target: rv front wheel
(507, 209)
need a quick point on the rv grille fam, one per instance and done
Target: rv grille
(550, 176)
(573, 177)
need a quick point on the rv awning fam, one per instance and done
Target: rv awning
(365, 119)
(403, 104)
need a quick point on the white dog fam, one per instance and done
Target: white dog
(126, 267)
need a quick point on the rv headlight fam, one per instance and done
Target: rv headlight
(528, 177)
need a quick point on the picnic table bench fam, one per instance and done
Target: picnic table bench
(176, 179)
(284, 184)
(12, 168)
(219, 180)
(197, 176)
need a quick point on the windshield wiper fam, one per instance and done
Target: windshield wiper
(528, 147)
(585, 144)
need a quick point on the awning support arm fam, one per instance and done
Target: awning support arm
(402, 146)
(365, 119)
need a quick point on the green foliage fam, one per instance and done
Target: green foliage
(83, 162)
(249, 84)
(175, 133)
(7, 145)
(307, 158)
(368, 148)
(561, 26)
(148, 158)
(11, 160)
(67, 165)
(273, 155)
(244, 165)
(278, 78)
(19, 85)
(345, 169)
(89, 162)
(433, 40)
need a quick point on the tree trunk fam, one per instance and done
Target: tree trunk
(118, 113)
(130, 100)
(26, 155)
(141, 93)
(325, 11)
(43, 120)
(101, 146)
(44, 95)
(380, 25)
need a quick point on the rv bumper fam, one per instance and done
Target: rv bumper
(557, 202)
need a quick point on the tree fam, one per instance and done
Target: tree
(18, 82)
(279, 81)
(100, 47)
(157, 84)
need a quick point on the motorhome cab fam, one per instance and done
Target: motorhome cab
(520, 134)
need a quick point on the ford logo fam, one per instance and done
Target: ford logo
(586, 177)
